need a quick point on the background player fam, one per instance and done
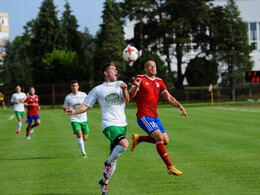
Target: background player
(79, 122)
(112, 96)
(18, 101)
(147, 89)
(2, 100)
(32, 114)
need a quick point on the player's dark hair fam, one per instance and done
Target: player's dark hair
(73, 82)
(106, 66)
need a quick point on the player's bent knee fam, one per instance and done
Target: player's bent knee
(124, 143)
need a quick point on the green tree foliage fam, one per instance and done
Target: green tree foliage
(46, 31)
(88, 49)
(50, 50)
(62, 66)
(17, 64)
(46, 36)
(202, 72)
(232, 48)
(110, 40)
(69, 25)
(169, 26)
(189, 20)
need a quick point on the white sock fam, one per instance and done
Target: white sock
(116, 153)
(112, 170)
(81, 145)
(19, 125)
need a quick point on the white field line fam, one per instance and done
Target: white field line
(11, 117)
(236, 109)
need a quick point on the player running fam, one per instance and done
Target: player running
(147, 89)
(32, 114)
(79, 122)
(112, 96)
(18, 101)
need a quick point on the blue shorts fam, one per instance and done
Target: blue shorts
(31, 118)
(149, 124)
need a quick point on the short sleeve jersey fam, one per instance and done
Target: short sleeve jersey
(110, 97)
(147, 96)
(32, 110)
(20, 97)
(75, 101)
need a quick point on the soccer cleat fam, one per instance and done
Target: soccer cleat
(28, 137)
(134, 141)
(84, 156)
(18, 132)
(173, 170)
(31, 130)
(106, 171)
(103, 187)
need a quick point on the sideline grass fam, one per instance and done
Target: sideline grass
(217, 149)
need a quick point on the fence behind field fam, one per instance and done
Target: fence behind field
(54, 94)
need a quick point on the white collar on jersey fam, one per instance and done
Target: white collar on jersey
(150, 77)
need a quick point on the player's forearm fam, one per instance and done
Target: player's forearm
(174, 102)
(82, 109)
(133, 91)
(126, 95)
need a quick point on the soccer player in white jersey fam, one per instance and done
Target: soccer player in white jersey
(112, 96)
(18, 101)
(79, 122)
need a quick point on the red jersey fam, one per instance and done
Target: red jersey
(32, 110)
(147, 96)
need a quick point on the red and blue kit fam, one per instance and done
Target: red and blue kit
(147, 96)
(32, 110)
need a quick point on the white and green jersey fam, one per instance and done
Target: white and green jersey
(20, 97)
(110, 97)
(75, 101)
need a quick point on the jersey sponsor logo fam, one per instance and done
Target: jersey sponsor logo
(112, 98)
(20, 100)
(157, 84)
(147, 83)
(76, 106)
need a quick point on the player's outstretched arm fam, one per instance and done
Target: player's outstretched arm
(133, 90)
(174, 102)
(80, 110)
(123, 86)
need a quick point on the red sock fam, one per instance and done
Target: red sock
(146, 138)
(163, 153)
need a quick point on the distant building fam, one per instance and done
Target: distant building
(249, 12)
(4, 33)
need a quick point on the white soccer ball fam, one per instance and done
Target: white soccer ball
(130, 54)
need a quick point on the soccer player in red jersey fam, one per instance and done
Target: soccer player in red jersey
(147, 89)
(32, 114)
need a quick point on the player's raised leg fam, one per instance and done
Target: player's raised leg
(158, 136)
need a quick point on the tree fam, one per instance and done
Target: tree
(17, 64)
(110, 40)
(62, 66)
(69, 25)
(88, 48)
(232, 48)
(202, 72)
(46, 36)
(170, 26)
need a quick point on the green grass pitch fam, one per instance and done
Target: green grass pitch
(217, 148)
